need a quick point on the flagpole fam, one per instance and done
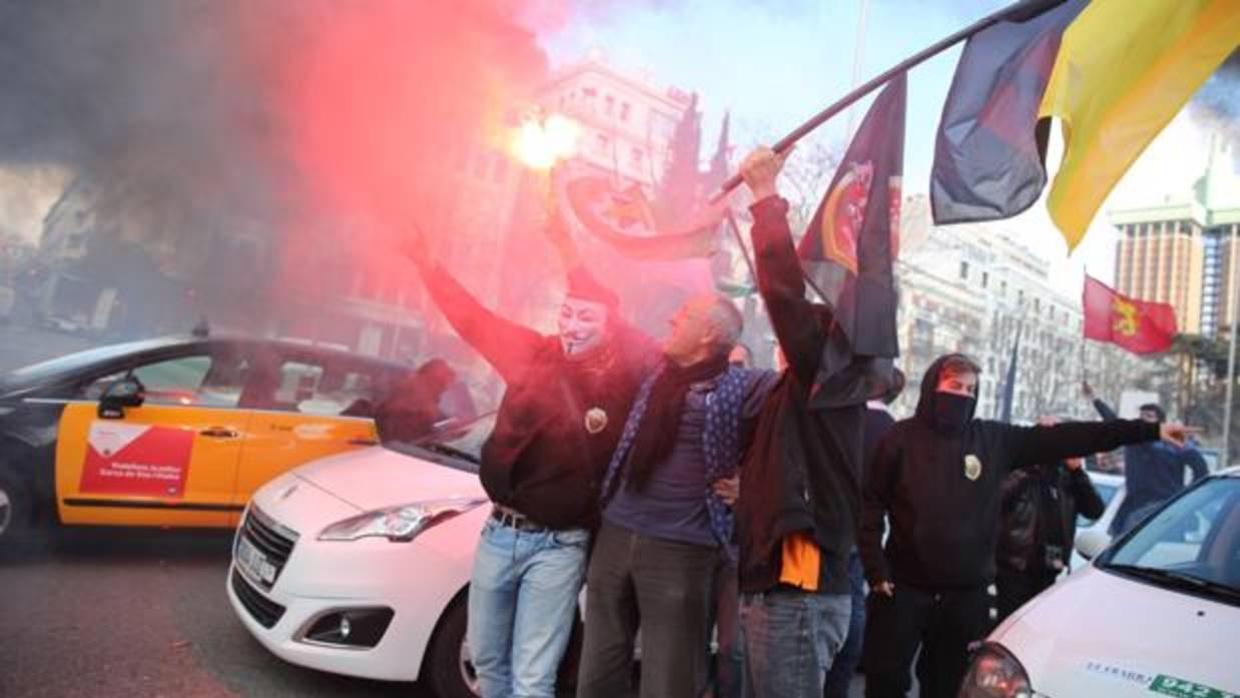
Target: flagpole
(740, 242)
(1015, 11)
(1231, 353)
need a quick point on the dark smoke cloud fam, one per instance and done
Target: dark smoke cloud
(219, 115)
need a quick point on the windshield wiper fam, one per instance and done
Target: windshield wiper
(1178, 580)
(447, 450)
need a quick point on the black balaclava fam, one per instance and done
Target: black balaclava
(943, 412)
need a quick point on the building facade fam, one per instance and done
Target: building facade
(974, 289)
(1179, 250)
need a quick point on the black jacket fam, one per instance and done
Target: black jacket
(1040, 505)
(940, 490)
(800, 472)
(540, 459)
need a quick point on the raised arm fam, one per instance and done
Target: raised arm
(799, 325)
(506, 345)
(1047, 444)
(1104, 410)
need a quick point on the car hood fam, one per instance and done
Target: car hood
(374, 478)
(1097, 633)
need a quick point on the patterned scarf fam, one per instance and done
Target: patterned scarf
(720, 444)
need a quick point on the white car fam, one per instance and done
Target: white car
(358, 564)
(1157, 613)
(1110, 487)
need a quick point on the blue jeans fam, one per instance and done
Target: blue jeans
(840, 677)
(790, 639)
(522, 600)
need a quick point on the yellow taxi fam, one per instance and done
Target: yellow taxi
(176, 431)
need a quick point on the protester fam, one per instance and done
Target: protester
(664, 529)
(557, 425)
(1037, 530)
(878, 421)
(799, 492)
(1153, 473)
(937, 478)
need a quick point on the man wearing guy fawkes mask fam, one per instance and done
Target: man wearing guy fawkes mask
(559, 421)
(936, 478)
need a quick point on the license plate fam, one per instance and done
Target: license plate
(253, 564)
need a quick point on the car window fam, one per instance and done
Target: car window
(199, 380)
(1198, 534)
(324, 388)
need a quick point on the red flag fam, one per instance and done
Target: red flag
(1140, 327)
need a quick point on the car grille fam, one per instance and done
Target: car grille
(274, 540)
(261, 608)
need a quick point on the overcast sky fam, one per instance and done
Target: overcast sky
(775, 63)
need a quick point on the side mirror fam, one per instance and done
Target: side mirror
(1090, 543)
(126, 392)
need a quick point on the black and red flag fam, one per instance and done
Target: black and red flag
(991, 146)
(848, 251)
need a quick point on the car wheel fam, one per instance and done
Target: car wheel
(14, 509)
(448, 667)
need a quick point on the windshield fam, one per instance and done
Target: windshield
(1193, 544)
(461, 439)
(48, 370)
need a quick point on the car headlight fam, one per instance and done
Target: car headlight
(402, 523)
(995, 673)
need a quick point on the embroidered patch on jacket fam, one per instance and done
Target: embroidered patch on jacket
(972, 467)
(596, 420)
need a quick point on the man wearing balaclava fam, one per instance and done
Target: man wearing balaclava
(1153, 473)
(559, 421)
(936, 478)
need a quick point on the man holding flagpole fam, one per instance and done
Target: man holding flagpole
(800, 489)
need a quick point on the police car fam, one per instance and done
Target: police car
(177, 431)
(1156, 614)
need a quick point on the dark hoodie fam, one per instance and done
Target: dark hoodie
(940, 488)
(541, 459)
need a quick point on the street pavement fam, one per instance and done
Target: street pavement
(119, 612)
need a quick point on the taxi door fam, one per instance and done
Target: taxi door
(313, 407)
(172, 461)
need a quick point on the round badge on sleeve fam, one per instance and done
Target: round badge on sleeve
(972, 467)
(596, 420)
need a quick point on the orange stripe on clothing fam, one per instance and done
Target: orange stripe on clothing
(801, 561)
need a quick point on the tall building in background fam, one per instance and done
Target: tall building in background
(1179, 250)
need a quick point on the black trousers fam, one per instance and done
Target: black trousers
(1017, 588)
(661, 586)
(941, 622)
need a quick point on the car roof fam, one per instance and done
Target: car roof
(69, 365)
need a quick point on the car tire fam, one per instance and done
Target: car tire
(445, 668)
(449, 674)
(14, 509)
